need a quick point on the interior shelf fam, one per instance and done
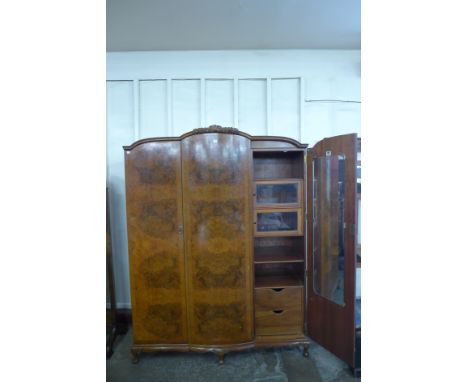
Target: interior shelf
(281, 180)
(277, 281)
(271, 255)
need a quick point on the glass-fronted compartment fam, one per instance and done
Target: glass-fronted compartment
(278, 222)
(278, 193)
(279, 244)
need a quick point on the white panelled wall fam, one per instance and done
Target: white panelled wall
(277, 92)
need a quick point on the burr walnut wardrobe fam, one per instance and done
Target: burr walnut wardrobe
(239, 241)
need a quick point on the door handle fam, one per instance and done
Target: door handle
(277, 290)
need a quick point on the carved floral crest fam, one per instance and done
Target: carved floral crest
(216, 129)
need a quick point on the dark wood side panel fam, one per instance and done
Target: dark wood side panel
(155, 243)
(330, 324)
(218, 237)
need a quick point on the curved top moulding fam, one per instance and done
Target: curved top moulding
(217, 129)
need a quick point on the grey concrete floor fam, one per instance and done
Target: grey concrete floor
(261, 365)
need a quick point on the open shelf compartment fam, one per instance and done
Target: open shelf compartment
(269, 250)
(278, 165)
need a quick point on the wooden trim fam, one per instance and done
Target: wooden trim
(217, 129)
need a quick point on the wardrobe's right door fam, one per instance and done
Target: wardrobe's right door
(331, 238)
(216, 174)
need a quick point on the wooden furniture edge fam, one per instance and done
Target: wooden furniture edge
(217, 129)
(221, 350)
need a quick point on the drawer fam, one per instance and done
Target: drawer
(279, 321)
(278, 311)
(278, 298)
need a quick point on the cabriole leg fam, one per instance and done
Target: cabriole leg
(220, 358)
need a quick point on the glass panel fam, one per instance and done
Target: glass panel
(328, 220)
(277, 221)
(277, 193)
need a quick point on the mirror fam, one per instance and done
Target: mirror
(328, 226)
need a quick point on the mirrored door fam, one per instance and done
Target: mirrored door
(331, 243)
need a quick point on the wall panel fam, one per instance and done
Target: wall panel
(285, 108)
(219, 102)
(153, 109)
(185, 106)
(253, 106)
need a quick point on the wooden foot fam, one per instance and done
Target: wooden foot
(305, 352)
(220, 358)
(135, 356)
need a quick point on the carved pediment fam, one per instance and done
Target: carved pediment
(216, 129)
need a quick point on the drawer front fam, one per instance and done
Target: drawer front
(267, 299)
(279, 321)
(278, 311)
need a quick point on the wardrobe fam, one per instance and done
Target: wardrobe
(239, 241)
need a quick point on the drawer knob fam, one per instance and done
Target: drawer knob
(278, 311)
(277, 289)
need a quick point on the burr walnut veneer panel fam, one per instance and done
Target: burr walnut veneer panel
(155, 241)
(218, 238)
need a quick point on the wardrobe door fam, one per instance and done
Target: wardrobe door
(331, 251)
(155, 243)
(218, 237)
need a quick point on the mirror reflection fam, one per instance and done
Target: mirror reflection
(328, 227)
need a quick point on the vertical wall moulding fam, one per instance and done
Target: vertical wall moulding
(301, 106)
(202, 103)
(136, 109)
(236, 103)
(170, 126)
(268, 106)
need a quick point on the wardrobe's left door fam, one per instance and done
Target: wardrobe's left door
(155, 243)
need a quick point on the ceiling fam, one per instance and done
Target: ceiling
(139, 25)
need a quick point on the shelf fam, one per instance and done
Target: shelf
(272, 255)
(279, 180)
(277, 281)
